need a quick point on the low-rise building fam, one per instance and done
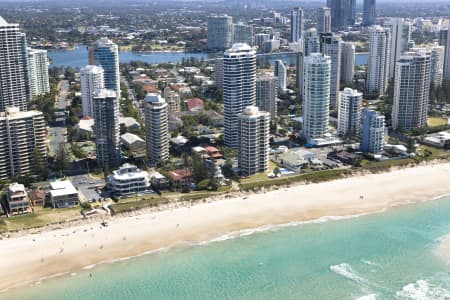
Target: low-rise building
(159, 181)
(128, 179)
(181, 179)
(17, 198)
(440, 140)
(295, 159)
(132, 142)
(62, 194)
(37, 197)
(213, 152)
(129, 123)
(345, 157)
(195, 104)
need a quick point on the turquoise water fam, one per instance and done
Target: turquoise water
(390, 255)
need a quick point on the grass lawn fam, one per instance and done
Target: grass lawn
(435, 153)
(40, 217)
(125, 206)
(437, 121)
(260, 176)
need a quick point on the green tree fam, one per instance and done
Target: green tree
(62, 159)
(276, 171)
(38, 164)
(200, 170)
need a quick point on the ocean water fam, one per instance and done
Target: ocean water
(389, 255)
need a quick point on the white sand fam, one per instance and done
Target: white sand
(29, 258)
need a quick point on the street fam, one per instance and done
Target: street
(132, 95)
(58, 128)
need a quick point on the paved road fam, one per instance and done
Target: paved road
(132, 94)
(58, 129)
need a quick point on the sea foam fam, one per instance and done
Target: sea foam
(368, 297)
(345, 270)
(422, 290)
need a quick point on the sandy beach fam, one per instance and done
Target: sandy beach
(29, 258)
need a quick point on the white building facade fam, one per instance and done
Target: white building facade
(280, 71)
(316, 96)
(400, 31)
(91, 79)
(349, 113)
(254, 132)
(38, 72)
(239, 88)
(106, 128)
(156, 129)
(379, 60)
(266, 94)
(347, 62)
(411, 91)
(129, 179)
(330, 45)
(22, 137)
(297, 24)
(13, 67)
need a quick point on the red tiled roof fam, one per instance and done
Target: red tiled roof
(195, 103)
(180, 174)
(212, 149)
(150, 88)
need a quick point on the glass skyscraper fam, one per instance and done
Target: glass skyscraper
(105, 53)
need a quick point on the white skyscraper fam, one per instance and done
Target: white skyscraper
(22, 136)
(323, 19)
(316, 96)
(156, 129)
(437, 61)
(106, 128)
(447, 55)
(347, 62)
(297, 24)
(437, 64)
(91, 79)
(280, 71)
(372, 132)
(379, 60)
(243, 33)
(105, 53)
(13, 68)
(400, 35)
(330, 45)
(266, 94)
(254, 129)
(349, 113)
(312, 42)
(411, 91)
(239, 88)
(38, 72)
(220, 32)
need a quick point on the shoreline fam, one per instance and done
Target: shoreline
(40, 255)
